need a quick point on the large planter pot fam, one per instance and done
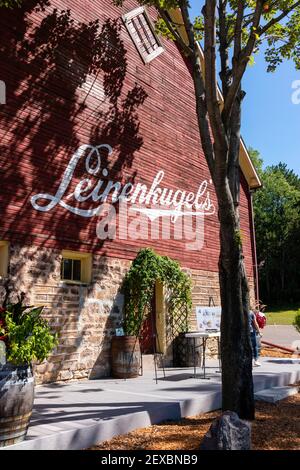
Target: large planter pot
(183, 351)
(126, 357)
(16, 402)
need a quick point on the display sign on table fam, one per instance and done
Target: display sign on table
(208, 318)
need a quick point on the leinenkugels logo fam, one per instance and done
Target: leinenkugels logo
(148, 203)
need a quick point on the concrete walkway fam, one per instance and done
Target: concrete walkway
(284, 335)
(78, 415)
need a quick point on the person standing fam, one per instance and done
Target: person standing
(254, 332)
(261, 321)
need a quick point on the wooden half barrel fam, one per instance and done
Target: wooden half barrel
(16, 402)
(126, 357)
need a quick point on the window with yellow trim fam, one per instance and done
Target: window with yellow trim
(4, 246)
(76, 267)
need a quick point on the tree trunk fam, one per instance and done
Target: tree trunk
(236, 352)
(282, 271)
(222, 156)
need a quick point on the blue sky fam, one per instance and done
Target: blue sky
(271, 122)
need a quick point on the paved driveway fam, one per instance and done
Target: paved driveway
(284, 335)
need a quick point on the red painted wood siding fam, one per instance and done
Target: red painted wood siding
(55, 103)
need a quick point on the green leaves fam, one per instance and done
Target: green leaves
(251, 61)
(28, 335)
(283, 41)
(297, 322)
(147, 268)
(199, 28)
(10, 3)
(277, 220)
(162, 28)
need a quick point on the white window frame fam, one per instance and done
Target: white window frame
(132, 14)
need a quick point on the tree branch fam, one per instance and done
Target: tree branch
(234, 148)
(278, 18)
(238, 31)
(201, 103)
(164, 15)
(225, 74)
(211, 87)
(241, 65)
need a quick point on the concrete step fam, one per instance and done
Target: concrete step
(274, 394)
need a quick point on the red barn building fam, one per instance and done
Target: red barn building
(100, 110)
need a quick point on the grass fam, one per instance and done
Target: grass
(281, 315)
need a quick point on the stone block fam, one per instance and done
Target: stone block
(228, 432)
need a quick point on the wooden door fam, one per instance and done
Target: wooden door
(148, 336)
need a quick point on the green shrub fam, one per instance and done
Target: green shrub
(297, 322)
(27, 335)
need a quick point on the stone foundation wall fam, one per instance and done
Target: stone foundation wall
(85, 316)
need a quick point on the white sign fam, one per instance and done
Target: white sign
(208, 318)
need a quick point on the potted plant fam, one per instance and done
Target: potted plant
(125, 345)
(25, 337)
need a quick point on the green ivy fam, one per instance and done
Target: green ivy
(139, 284)
(27, 335)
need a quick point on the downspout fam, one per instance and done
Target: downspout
(254, 246)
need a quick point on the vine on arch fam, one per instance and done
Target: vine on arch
(139, 284)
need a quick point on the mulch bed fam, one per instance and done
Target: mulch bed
(276, 427)
(273, 352)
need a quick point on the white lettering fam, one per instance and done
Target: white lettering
(168, 202)
(296, 93)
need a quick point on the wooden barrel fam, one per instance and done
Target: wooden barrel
(16, 402)
(126, 357)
